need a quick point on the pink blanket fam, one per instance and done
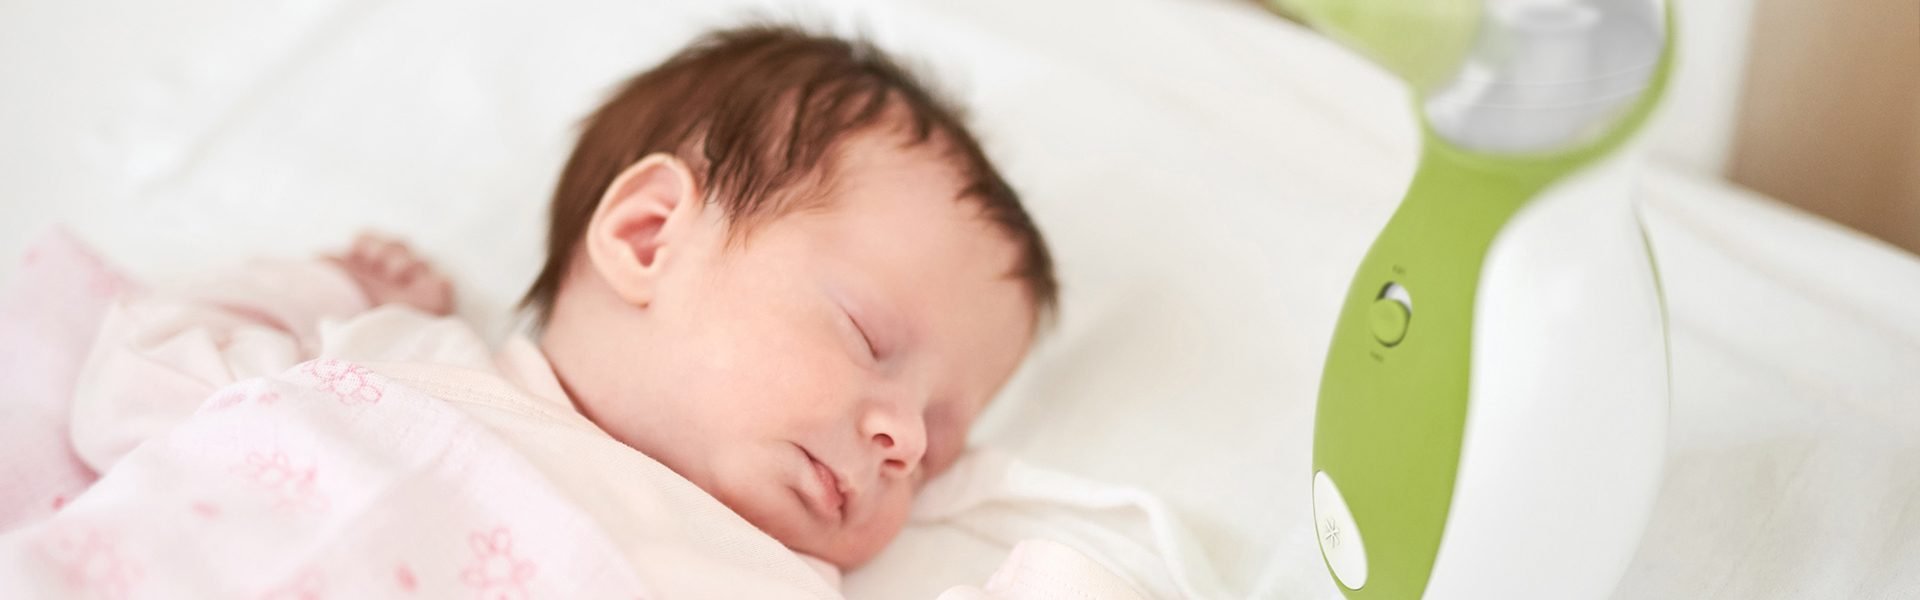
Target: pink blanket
(49, 312)
(325, 481)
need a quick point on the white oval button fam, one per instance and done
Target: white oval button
(1339, 537)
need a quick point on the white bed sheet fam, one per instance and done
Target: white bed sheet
(1207, 174)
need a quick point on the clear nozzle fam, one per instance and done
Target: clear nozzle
(1548, 74)
(1516, 76)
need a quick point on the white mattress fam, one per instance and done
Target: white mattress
(1208, 175)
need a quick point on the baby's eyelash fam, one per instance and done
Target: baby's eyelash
(864, 338)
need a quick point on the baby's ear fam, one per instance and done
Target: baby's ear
(649, 207)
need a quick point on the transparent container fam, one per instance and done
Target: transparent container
(1543, 75)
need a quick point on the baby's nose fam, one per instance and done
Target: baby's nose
(898, 438)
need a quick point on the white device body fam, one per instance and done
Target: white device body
(1566, 419)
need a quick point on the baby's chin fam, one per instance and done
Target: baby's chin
(845, 546)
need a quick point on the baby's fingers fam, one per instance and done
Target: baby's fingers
(396, 264)
(372, 248)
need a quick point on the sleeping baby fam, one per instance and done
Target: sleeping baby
(782, 280)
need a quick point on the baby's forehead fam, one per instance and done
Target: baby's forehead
(886, 181)
(921, 245)
(913, 201)
(894, 143)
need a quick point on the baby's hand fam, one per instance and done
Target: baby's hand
(388, 272)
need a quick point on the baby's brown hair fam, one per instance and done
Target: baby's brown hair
(757, 112)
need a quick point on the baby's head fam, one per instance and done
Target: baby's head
(784, 269)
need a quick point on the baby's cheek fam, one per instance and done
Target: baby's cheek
(770, 508)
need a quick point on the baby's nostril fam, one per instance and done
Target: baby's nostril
(885, 441)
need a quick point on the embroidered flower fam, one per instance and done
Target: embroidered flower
(89, 560)
(293, 487)
(305, 586)
(495, 571)
(351, 383)
(225, 399)
(236, 395)
(403, 575)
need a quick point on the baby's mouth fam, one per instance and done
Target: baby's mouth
(825, 497)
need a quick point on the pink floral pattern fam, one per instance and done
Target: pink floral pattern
(495, 571)
(231, 397)
(270, 490)
(351, 383)
(293, 487)
(404, 576)
(226, 399)
(306, 586)
(105, 284)
(88, 560)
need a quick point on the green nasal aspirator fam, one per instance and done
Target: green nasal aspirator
(1492, 413)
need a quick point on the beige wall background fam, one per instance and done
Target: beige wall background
(1830, 113)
